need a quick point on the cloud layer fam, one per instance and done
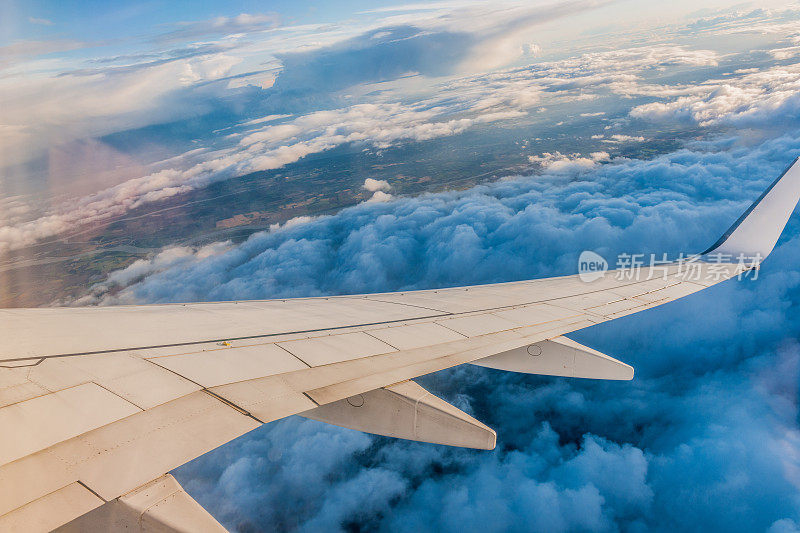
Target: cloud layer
(456, 107)
(310, 80)
(705, 437)
(514, 229)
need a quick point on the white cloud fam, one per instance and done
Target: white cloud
(170, 257)
(734, 100)
(374, 185)
(292, 222)
(619, 138)
(568, 163)
(576, 78)
(243, 23)
(788, 52)
(40, 21)
(268, 147)
(44, 111)
(380, 196)
(755, 21)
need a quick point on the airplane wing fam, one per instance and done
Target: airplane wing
(98, 404)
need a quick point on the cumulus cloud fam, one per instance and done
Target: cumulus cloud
(46, 111)
(711, 417)
(379, 188)
(380, 196)
(581, 77)
(620, 138)
(467, 236)
(136, 89)
(745, 100)
(558, 162)
(373, 185)
(168, 258)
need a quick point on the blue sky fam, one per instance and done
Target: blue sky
(134, 20)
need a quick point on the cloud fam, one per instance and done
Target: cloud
(379, 188)
(263, 148)
(40, 21)
(754, 21)
(559, 162)
(580, 77)
(748, 99)
(194, 79)
(474, 38)
(17, 51)
(243, 23)
(476, 235)
(46, 111)
(374, 185)
(458, 106)
(380, 196)
(619, 138)
(383, 53)
(710, 418)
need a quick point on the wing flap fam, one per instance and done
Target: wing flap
(406, 410)
(559, 357)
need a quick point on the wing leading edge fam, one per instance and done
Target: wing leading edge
(99, 404)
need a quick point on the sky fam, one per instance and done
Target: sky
(705, 437)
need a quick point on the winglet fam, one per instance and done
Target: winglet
(755, 233)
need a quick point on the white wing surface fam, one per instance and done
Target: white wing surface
(97, 405)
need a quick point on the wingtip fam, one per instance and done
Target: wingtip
(756, 232)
